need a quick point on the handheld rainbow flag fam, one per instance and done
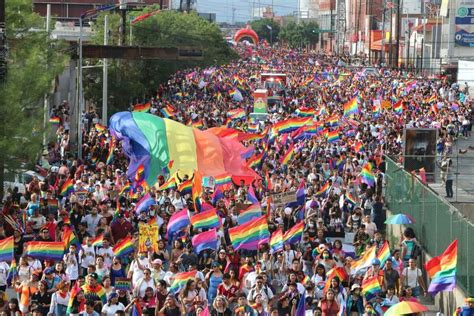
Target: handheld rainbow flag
(123, 284)
(351, 107)
(294, 234)
(45, 250)
(12, 272)
(371, 286)
(276, 241)
(197, 190)
(67, 188)
(110, 154)
(97, 241)
(442, 270)
(206, 219)
(170, 184)
(224, 181)
(398, 107)
(307, 81)
(167, 111)
(367, 174)
(305, 112)
(351, 199)
(324, 190)
(100, 128)
(338, 272)
(123, 247)
(205, 240)
(253, 211)
(180, 280)
(249, 235)
(126, 187)
(301, 308)
(359, 147)
(178, 221)
(145, 107)
(69, 238)
(255, 160)
(236, 114)
(55, 120)
(145, 202)
(76, 289)
(285, 159)
(333, 136)
(384, 253)
(6, 249)
(185, 187)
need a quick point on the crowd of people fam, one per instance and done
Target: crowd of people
(340, 223)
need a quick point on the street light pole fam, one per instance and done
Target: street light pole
(105, 74)
(271, 34)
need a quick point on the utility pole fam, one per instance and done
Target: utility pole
(397, 52)
(105, 74)
(3, 46)
(123, 28)
(233, 15)
(382, 49)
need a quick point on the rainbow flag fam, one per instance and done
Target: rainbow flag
(384, 253)
(67, 188)
(289, 154)
(185, 187)
(333, 120)
(170, 184)
(126, 187)
(140, 173)
(333, 136)
(324, 190)
(253, 211)
(55, 120)
(180, 280)
(223, 180)
(305, 112)
(237, 79)
(291, 125)
(100, 128)
(167, 111)
(294, 234)
(351, 107)
(145, 202)
(206, 219)
(236, 114)
(178, 221)
(376, 110)
(359, 147)
(307, 81)
(338, 272)
(145, 107)
(276, 241)
(124, 247)
(367, 174)
(236, 95)
(110, 154)
(12, 272)
(72, 296)
(6, 249)
(97, 241)
(371, 286)
(197, 190)
(252, 128)
(123, 284)
(443, 270)
(94, 293)
(255, 160)
(351, 198)
(398, 107)
(69, 238)
(45, 250)
(205, 240)
(53, 204)
(250, 235)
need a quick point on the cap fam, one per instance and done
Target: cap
(112, 295)
(375, 262)
(48, 271)
(93, 275)
(215, 264)
(157, 261)
(355, 286)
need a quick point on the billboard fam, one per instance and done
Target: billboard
(420, 150)
(464, 22)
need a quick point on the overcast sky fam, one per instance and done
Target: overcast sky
(223, 8)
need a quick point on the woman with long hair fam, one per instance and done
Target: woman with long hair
(107, 285)
(220, 307)
(12, 308)
(42, 299)
(60, 299)
(213, 279)
(329, 304)
(188, 295)
(116, 271)
(149, 301)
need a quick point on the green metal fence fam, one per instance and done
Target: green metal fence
(437, 222)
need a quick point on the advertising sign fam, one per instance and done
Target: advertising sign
(420, 150)
(464, 35)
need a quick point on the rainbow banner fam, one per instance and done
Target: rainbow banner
(123, 284)
(178, 221)
(294, 234)
(155, 141)
(6, 249)
(253, 211)
(123, 247)
(206, 219)
(305, 112)
(180, 280)
(205, 240)
(45, 250)
(443, 270)
(250, 235)
(290, 125)
(276, 241)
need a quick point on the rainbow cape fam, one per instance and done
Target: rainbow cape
(123, 247)
(94, 293)
(206, 219)
(180, 280)
(6, 249)
(45, 250)
(250, 235)
(155, 141)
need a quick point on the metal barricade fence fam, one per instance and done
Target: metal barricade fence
(437, 222)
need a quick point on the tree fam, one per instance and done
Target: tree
(130, 81)
(261, 27)
(33, 62)
(299, 35)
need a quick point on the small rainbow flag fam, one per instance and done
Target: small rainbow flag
(351, 107)
(6, 249)
(276, 241)
(252, 128)
(376, 110)
(123, 247)
(178, 221)
(305, 112)
(307, 81)
(55, 120)
(250, 235)
(223, 180)
(253, 211)
(67, 188)
(145, 107)
(205, 240)
(294, 234)
(76, 289)
(45, 250)
(126, 187)
(110, 154)
(100, 128)
(69, 238)
(289, 154)
(333, 120)
(140, 173)
(333, 136)
(359, 147)
(206, 219)
(324, 190)
(196, 190)
(351, 199)
(236, 114)
(384, 253)
(398, 107)
(170, 184)
(180, 280)
(98, 241)
(185, 187)
(12, 272)
(255, 160)
(367, 174)
(371, 286)
(291, 125)
(167, 111)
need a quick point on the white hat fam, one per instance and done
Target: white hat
(288, 210)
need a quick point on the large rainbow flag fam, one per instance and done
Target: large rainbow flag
(442, 270)
(45, 250)
(153, 142)
(250, 235)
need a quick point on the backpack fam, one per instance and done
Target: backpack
(416, 251)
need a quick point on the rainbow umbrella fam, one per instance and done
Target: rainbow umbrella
(404, 308)
(402, 219)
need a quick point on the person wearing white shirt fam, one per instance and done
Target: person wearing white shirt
(92, 221)
(72, 264)
(137, 268)
(4, 267)
(107, 253)
(59, 300)
(113, 305)
(144, 283)
(87, 255)
(178, 201)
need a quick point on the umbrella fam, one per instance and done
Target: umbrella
(400, 219)
(405, 307)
